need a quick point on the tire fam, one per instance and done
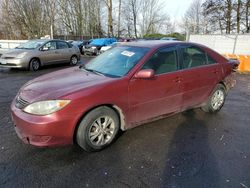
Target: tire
(73, 60)
(93, 134)
(216, 100)
(34, 64)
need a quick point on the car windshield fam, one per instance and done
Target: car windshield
(30, 44)
(116, 62)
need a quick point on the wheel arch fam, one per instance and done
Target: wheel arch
(37, 59)
(224, 84)
(211, 92)
(116, 109)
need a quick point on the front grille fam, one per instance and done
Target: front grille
(9, 64)
(20, 103)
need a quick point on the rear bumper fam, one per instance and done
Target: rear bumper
(230, 81)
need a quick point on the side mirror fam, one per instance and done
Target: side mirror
(145, 74)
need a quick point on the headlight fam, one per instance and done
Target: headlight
(93, 47)
(46, 107)
(21, 55)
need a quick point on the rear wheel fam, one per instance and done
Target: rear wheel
(216, 100)
(34, 64)
(73, 60)
(98, 129)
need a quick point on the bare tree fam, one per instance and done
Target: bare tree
(50, 11)
(109, 5)
(153, 19)
(131, 10)
(26, 18)
(247, 6)
(238, 15)
(230, 16)
(119, 19)
(192, 18)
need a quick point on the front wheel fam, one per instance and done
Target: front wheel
(34, 64)
(216, 100)
(98, 129)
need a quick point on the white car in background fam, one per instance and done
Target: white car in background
(105, 48)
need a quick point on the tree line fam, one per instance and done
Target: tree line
(217, 17)
(119, 18)
(113, 18)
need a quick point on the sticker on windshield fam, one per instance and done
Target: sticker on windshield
(128, 53)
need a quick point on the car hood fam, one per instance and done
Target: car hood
(15, 52)
(60, 83)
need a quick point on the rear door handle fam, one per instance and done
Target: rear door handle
(215, 71)
(177, 80)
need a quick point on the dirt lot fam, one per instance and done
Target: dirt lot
(191, 149)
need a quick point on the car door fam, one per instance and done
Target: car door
(199, 77)
(150, 98)
(64, 51)
(49, 53)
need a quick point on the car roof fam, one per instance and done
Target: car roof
(151, 43)
(159, 43)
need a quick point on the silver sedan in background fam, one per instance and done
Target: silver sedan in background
(36, 53)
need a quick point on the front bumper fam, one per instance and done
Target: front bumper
(51, 130)
(13, 63)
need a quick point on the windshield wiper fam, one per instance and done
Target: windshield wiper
(91, 70)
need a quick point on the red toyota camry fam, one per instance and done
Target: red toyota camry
(124, 87)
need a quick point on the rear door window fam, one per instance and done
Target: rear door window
(193, 57)
(62, 45)
(210, 60)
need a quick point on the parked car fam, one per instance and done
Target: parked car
(93, 48)
(80, 44)
(128, 85)
(36, 53)
(105, 48)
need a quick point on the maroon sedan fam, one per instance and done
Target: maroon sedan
(129, 85)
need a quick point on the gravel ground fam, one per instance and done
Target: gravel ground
(191, 149)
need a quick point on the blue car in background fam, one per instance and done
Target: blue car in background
(93, 48)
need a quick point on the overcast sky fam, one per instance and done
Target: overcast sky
(176, 8)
